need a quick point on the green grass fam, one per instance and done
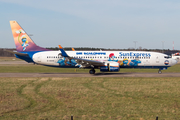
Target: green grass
(90, 98)
(30, 68)
(37, 69)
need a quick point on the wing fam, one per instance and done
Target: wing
(88, 63)
(82, 62)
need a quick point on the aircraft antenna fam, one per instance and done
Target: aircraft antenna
(163, 46)
(135, 44)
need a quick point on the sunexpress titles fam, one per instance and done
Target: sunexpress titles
(121, 54)
(132, 54)
(90, 53)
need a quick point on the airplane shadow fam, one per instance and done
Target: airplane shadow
(96, 74)
(62, 73)
(111, 74)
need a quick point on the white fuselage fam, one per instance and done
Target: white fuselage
(126, 59)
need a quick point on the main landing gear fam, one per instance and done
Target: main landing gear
(159, 71)
(92, 71)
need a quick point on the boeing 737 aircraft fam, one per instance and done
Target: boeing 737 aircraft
(106, 61)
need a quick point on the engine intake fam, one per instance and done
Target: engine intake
(110, 67)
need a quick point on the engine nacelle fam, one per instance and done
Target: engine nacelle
(110, 67)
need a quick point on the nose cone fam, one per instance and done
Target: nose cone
(174, 62)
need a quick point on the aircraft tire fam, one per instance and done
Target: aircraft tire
(92, 71)
(159, 71)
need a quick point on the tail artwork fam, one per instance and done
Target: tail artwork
(22, 41)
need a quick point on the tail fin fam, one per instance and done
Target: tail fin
(22, 41)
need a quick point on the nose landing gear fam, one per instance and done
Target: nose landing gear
(159, 71)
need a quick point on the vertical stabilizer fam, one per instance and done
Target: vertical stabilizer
(22, 41)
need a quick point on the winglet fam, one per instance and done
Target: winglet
(60, 47)
(64, 54)
(73, 49)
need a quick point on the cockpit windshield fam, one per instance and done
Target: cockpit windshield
(167, 57)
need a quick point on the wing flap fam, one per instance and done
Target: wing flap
(88, 62)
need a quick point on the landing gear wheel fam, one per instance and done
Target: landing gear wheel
(92, 71)
(159, 71)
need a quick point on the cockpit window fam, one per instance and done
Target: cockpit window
(167, 57)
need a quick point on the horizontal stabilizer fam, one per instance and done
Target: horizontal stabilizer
(17, 53)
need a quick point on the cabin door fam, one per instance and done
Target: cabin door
(39, 58)
(157, 59)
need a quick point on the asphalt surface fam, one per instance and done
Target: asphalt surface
(89, 75)
(13, 62)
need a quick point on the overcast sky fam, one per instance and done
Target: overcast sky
(94, 23)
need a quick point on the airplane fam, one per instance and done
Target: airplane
(106, 61)
(176, 56)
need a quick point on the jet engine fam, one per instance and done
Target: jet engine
(110, 67)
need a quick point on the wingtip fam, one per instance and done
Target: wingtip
(60, 46)
(73, 49)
